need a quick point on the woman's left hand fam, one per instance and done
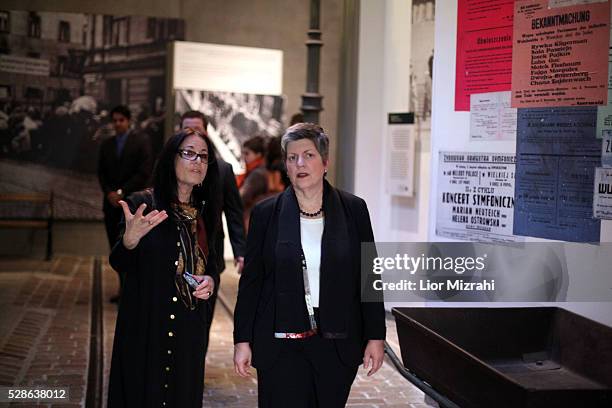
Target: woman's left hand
(206, 287)
(374, 353)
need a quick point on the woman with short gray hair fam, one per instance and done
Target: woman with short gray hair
(306, 131)
(299, 316)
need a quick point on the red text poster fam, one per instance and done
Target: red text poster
(484, 48)
(560, 55)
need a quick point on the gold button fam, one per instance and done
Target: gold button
(178, 244)
(174, 299)
(172, 316)
(169, 351)
(170, 334)
(167, 368)
(176, 263)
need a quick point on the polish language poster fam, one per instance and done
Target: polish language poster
(602, 200)
(559, 56)
(484, 49)
(491, 117)
(606, 149)
(476, 196)
(556, 156)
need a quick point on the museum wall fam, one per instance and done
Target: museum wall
(259, 23)
(384, 87)
(450, 132)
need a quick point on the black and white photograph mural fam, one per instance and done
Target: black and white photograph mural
(60, 75)
(234, 117)
(421, 61)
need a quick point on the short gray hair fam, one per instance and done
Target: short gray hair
(308, 131)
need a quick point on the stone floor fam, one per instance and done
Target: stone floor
(45, 333)
(45, 324)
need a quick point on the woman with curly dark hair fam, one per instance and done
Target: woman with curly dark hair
(164, 252)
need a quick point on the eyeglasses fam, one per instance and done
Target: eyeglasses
(192, 156)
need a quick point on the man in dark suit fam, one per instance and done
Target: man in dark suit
(229, 203)
(124, 166)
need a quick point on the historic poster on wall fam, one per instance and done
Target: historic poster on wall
(484, 49)
(60, 75)
(492, 117)
(476, 196)
(565, 3)
(557, 153)
(560, 55)
(602, 198)
(606, 149)
(421, 62)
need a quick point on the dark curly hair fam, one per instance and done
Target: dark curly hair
(165, 184)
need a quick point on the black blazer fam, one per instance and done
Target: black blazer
(271, 290)
(230, 203)
(132, 170)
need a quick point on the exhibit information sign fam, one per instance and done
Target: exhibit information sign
(476, 196)
(559, 57)
(556, 153)
(484, 49)
(401, 137)
(227, 68)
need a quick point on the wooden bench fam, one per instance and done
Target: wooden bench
(28, 210)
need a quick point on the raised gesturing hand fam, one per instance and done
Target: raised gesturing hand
(138, 225)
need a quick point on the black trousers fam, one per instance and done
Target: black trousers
(307, 374)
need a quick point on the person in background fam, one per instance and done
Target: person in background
(254, 183)
(228, 201)
(125, 164)
(278, 180)
(299, 317)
